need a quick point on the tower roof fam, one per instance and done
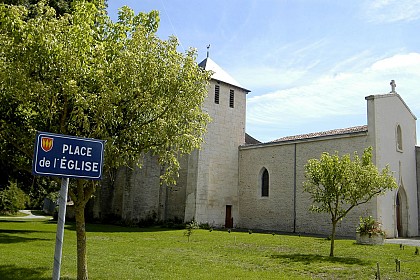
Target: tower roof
(219, 74)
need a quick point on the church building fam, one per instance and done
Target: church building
(235, 181)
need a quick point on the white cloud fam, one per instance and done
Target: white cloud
(403, 61)
(268, 77)
(275, 70)
(333, 97)
(354, 63)
(386, 11)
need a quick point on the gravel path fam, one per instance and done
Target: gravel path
(30, 215)
(415, 241)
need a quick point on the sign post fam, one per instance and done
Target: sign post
(59, 237)
(67, 157)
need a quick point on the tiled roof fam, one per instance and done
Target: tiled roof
(341, 131)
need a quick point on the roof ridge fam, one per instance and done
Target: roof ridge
(332, 132)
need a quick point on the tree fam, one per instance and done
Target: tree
(190, 228)
(60, 6)
(337, 185)
(82, 74)
(12, 163)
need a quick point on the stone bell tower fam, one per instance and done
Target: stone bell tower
(208, 182)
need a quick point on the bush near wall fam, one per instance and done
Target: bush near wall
(12, 199)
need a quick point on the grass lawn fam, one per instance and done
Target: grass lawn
(27, 252)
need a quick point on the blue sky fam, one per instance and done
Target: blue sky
(308, 63)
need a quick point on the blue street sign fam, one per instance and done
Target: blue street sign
(67, 156)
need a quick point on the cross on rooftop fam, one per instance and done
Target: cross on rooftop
(393, 86)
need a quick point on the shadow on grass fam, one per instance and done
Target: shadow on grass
(13, 272)
(115, 228)
(12, 220)
(8, 237)
(312, 258)
(17, 231)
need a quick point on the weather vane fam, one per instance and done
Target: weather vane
(208, 50)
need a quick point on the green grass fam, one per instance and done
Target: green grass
(27, 251)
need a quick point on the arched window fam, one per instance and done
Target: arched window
(265, 181)
(399, 139)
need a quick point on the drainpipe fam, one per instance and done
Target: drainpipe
(294, 191)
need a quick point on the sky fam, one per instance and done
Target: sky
(308, 63)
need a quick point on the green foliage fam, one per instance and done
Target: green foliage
(84, 75)
(338, 184)
(206, 225)
(12, 199)
(190, 228)
(14, 161)
(369, 225)
(61, 7)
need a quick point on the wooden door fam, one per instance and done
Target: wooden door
(228, 218)
(398, 214)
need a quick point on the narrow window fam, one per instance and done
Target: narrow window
(264, 183)
(399, 139)
(216, 94)
(231, 98)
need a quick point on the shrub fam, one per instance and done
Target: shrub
(369, 226)
(193, 225)
(12, 199)
(175, 223)
(206, 226)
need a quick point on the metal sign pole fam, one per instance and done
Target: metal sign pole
(62, 201)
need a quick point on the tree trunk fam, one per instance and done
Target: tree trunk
(334, 223)
(82, 272)
(80, 196)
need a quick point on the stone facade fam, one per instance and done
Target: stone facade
(418, 182)
(221, 184)
(389, 118)
(136, 194)
(287, 206)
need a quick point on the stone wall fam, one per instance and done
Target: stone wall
(287, 207)
(418, 181)
(133, 196)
